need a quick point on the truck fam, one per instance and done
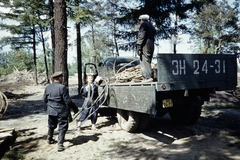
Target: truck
(183, 82)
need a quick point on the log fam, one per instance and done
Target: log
(7, 137)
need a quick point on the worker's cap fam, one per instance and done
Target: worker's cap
(57, 74)
(144, 17)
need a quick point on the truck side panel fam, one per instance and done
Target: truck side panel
(196, 71)
(135, 98)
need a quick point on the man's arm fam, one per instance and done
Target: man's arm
(68, 101)
(141, 40)
(141, 35)
(45, 96)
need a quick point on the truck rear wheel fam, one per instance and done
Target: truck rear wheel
(196, 114)
(144, 121)
(188, 114)
(128, 120)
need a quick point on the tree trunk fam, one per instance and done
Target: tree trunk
(115, 38)
(34, 55)
(79, 57)
(60, 28)
(175, 35)
(51, 15)
(44, 53)
(219, 43)
(94, 45)
(79, 52)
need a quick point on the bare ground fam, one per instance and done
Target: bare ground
(216, 136)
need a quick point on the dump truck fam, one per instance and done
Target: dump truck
(183, 82)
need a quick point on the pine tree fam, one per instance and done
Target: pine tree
(60, 31)
(30, 23)
(161, 13)
(216, 28)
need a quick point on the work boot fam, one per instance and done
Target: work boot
(147, 80)
(79, 126)
(50, 139)
(93, 127)
(60, 147)
(61, 137)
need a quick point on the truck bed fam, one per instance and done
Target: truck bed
(177, 73)
(193, 71)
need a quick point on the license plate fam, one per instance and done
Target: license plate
(167, 103)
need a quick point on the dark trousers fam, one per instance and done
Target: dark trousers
(86, 111)
(146, 59)
(145, 65)
(62, 123)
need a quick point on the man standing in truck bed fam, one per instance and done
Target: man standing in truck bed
(145, 46)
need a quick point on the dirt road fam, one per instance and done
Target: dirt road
(216, 136)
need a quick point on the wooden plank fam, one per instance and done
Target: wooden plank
(6, 130)
(7, 137)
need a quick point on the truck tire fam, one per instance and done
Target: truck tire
(181, 114)
(196, 114)
(128, 120)
(187, 115)
(144, 121)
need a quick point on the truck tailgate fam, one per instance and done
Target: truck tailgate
(196, 71)
(135, 98)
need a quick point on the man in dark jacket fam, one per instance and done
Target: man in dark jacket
(145, 46)
(59, 103)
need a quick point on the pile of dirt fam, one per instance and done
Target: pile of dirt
(19, 79)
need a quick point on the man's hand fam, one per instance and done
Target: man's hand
(76, 111)
(70, 119)
(140, 53)
(139, 50)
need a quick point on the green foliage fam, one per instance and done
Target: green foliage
(119, 18)
(102, 41)
(97, 41)
(216, 29)
(80, 13)
(3, 64)
(72, 68)
(161, 14)
(13, 154)
(20, 60)
(26, 17)
(41, 64)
